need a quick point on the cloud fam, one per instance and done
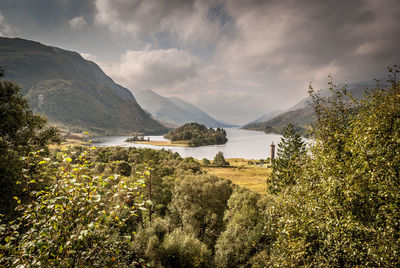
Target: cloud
(88, 56)
(188, 21)
(233, 58)
(301, 39)
(158, 69)
(5, 29)
(77, 22)
(262, 52)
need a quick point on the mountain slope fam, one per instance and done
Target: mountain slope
(73, 92)
(300, 118)
(173, 110)
(264, 118)
(202, 117)
(302, 114)
(160, 107)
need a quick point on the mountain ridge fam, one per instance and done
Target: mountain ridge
(72, 92)
(173, 110)
(301, 115)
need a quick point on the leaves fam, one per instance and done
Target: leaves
(78, 218)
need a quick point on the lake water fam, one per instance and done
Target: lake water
(241, 143)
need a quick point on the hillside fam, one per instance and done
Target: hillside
(73, 93)
(173, 110)
(265, 117)
(300, 118)
(202, 117)
(301, 115)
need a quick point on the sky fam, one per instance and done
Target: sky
(235, 59)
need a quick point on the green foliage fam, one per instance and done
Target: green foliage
(78, 220)
(343, 211)
(20, 133)
(219, 160)
(197, 135)
(163, 246)
(124, 168)
(288, 165)
(205, 162)
(250, 229)
(148, 240)
(198, 205)
(185, 250)
(336, 206)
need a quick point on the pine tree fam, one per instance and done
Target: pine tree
(291, 152)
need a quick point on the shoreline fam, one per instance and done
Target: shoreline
(163, 143)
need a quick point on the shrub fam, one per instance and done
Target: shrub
(219, 160)
(78, 220)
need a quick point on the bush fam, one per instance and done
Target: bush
(78, 220)
(124, 168)
(219, 160)
(249, 229)
(198, 204)
(205, 162)
(184, 250)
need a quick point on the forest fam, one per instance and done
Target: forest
(334, 203)
(197, 135)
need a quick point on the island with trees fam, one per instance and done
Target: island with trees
(195, 134)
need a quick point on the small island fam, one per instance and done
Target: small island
(195, 135)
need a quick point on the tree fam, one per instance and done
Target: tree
(248, 230)
(343, 210)
(198, 204)
(21, 132)
(291, 153)
(219, 160)
(80, 219)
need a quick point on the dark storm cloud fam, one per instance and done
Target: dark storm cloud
(245, 56)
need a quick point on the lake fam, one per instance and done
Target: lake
(241, 143)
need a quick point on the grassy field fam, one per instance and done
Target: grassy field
(242, 173)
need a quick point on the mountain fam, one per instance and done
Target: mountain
(173, 110)
(357, 89)
(202, 117)
(300, 118)
(302, 114)
(74, 93)
(265, 117)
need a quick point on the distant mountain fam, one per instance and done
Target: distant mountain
(300, 118)
(265, 117)
(357, 89)
(73, 92)
(302, 114)
(202, 117)
(174, 111)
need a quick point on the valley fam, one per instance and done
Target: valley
(113, 152)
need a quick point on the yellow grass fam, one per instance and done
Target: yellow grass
(243, 174)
